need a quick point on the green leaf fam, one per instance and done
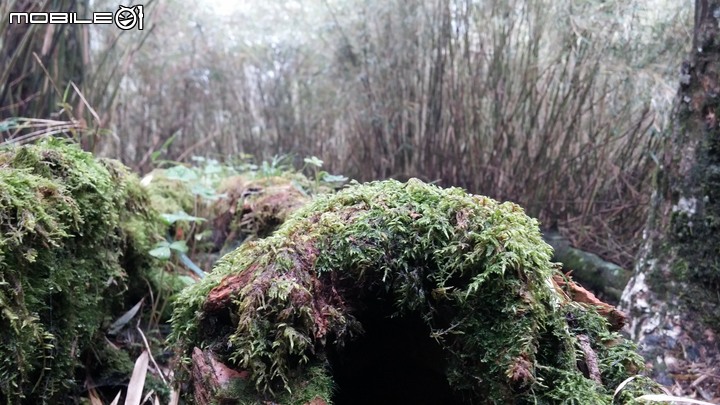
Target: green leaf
(181, 173)
(179, 246)
(213, 167)
(124, 319)
(180, 216)
(204, 191)
(161, 252)
(333, 178)
(169, 141)
(313, 161)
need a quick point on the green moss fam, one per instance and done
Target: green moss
(170, 193)
(71, 236)
(680, 269)
(253, 208)
(316, 383)
(161, 389)
(108, 363)
(695, 221)
(476, 271)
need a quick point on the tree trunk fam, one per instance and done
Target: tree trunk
(673, 295)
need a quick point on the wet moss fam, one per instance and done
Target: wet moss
(109, 364)
(692, 247)
(694, 228)
(476, 271)
(73, 231)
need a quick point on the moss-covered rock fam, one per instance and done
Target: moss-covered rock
(74, 232)
(475, 273)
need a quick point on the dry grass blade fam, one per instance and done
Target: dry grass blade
(117, 399)
(174, 396)
(622, 385)
(147, 350)
(626, 382)
(93, 396)
(137, 380)
(82, 97)
(149, 395)
(47, 73)
(17, 129)
(125, 318)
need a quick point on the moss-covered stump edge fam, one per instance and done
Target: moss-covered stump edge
(74, 236)
(476, 271)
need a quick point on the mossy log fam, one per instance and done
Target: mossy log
(461, 285)
(74, 236)
(605, 278)
(253, 208)
(257, 207)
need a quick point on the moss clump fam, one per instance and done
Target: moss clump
(112, 365)
(170, 192)
(316, 384)
(476, 271)
(253, 208)
(73, 231)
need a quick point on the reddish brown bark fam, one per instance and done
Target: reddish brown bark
(209, 375)
(577, 293)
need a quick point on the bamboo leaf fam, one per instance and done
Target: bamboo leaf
(125, 318)
(137, 380)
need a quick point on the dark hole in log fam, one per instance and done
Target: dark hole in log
(394, 362)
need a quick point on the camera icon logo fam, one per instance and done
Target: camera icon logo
(127, 18)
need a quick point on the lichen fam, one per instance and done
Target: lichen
(476, 271)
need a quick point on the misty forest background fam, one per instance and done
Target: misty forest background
(559, 106)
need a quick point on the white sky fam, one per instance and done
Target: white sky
(227, 7)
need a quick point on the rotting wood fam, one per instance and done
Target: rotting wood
(475, 271)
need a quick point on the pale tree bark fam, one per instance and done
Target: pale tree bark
(674, 293)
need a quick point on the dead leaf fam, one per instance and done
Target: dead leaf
(124, 319)
(93, 396)
(174, 396)
(117, 398)
(137, 381)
